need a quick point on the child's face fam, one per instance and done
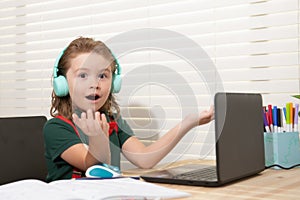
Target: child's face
(89, 79)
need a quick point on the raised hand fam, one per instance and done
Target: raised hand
(207, 115)
(92, 124)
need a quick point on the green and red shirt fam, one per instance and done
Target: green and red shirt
(60, 135)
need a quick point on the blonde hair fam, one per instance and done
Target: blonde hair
(63, 105)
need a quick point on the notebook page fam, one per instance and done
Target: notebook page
(33, 190)
(121, 187)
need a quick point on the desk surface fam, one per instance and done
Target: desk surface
(270, 184)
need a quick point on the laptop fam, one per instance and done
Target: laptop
(239, 145)
(22, 149)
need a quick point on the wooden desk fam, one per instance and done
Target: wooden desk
(270, 184)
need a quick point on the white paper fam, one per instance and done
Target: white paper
(33, 190)
(87, 189)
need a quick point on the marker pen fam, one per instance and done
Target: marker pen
(279, 120)
(284, 125)
(266, 123)
(296, 117)
(275, 120)
(291, 116)
(288, 118)
(270, 118)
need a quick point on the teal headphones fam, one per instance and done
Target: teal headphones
(60, 83)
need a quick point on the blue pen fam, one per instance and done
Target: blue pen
(275, 120)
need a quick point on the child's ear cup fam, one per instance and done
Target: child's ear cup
(117, 82)
(60, 86)
(60, 83)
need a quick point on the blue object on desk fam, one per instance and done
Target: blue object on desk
(282, 149)
(102, 171)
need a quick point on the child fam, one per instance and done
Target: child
(86, 128)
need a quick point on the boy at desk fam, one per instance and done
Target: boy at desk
(87, 128)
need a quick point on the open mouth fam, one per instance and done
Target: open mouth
(93, 97)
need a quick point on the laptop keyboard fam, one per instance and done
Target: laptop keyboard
(205, 174)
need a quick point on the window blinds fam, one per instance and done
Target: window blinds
(253, 45)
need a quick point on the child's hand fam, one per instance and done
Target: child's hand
(92, 124)
(204, 117)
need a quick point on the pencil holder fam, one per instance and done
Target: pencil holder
(282, 149)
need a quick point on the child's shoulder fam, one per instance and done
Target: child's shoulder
(56, 122)
(55, 125)
(53, 120)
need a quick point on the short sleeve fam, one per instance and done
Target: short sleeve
(58, 136)
(125, 130)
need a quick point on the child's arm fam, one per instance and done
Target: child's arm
(96, 128)
(148, 156)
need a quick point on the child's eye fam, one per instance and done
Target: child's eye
(82, 75)
(102, 76)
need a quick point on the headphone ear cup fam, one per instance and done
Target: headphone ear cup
(60, 86)
(117, 82)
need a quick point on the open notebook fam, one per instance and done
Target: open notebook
(106, 189)
(239, 145)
